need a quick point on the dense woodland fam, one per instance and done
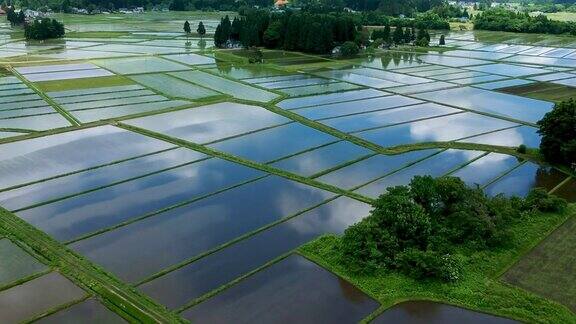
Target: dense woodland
(505, 20)
(296, 31)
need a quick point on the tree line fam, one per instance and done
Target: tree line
(388, 7)
(401, 36)
(499, 19)
(428, 20)
(293, 31)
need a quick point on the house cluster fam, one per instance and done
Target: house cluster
(135, 10)
(30, 14)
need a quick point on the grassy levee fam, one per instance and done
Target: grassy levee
(54, 310)
(134, 306)
(531, 155)
(248, 163)
(51, 102)
(480, 289)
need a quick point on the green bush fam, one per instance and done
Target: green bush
(539, 199)
(349, 49)
(430, 265)
(521, 149)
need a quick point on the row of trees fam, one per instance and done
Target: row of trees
(388, 7)
(421, 229)
(294, 31)
(428, 20)
(201, 30)
(505, 20)
(45, 28)
(401, 36)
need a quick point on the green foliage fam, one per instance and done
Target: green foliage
(223, 32)
(480, 288)
(44, 29)
(349, 49)
(15, 18)
(558, 130)
(522, 149)
(429, 264)
(187, 28)
(383, 34)
(450, 11)
(539, 200)
(398, 36)
(201, 30)
(255, 55)
(417, 229)
(295, 31)
(273, 35)
(505, 20)
(426, 20)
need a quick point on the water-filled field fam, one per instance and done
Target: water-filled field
(192, 176)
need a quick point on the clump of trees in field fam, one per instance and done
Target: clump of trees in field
(499, 19)
(558, 130)
(420, 229)
(293, 31)
(45, 28)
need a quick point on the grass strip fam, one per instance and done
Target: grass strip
(88, 169)
(232, 242)
(49, 100)
(85, 274)
(163, 210)
(248, 163)
(108, 185)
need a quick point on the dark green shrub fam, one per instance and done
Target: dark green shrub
(349, 49)
(521, 149)
(539, 199)
(429, 265)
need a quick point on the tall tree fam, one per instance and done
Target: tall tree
(187, 29)
(558, 130)
(201, 30)
(398, 36)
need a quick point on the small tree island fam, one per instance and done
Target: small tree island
(45, 28)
